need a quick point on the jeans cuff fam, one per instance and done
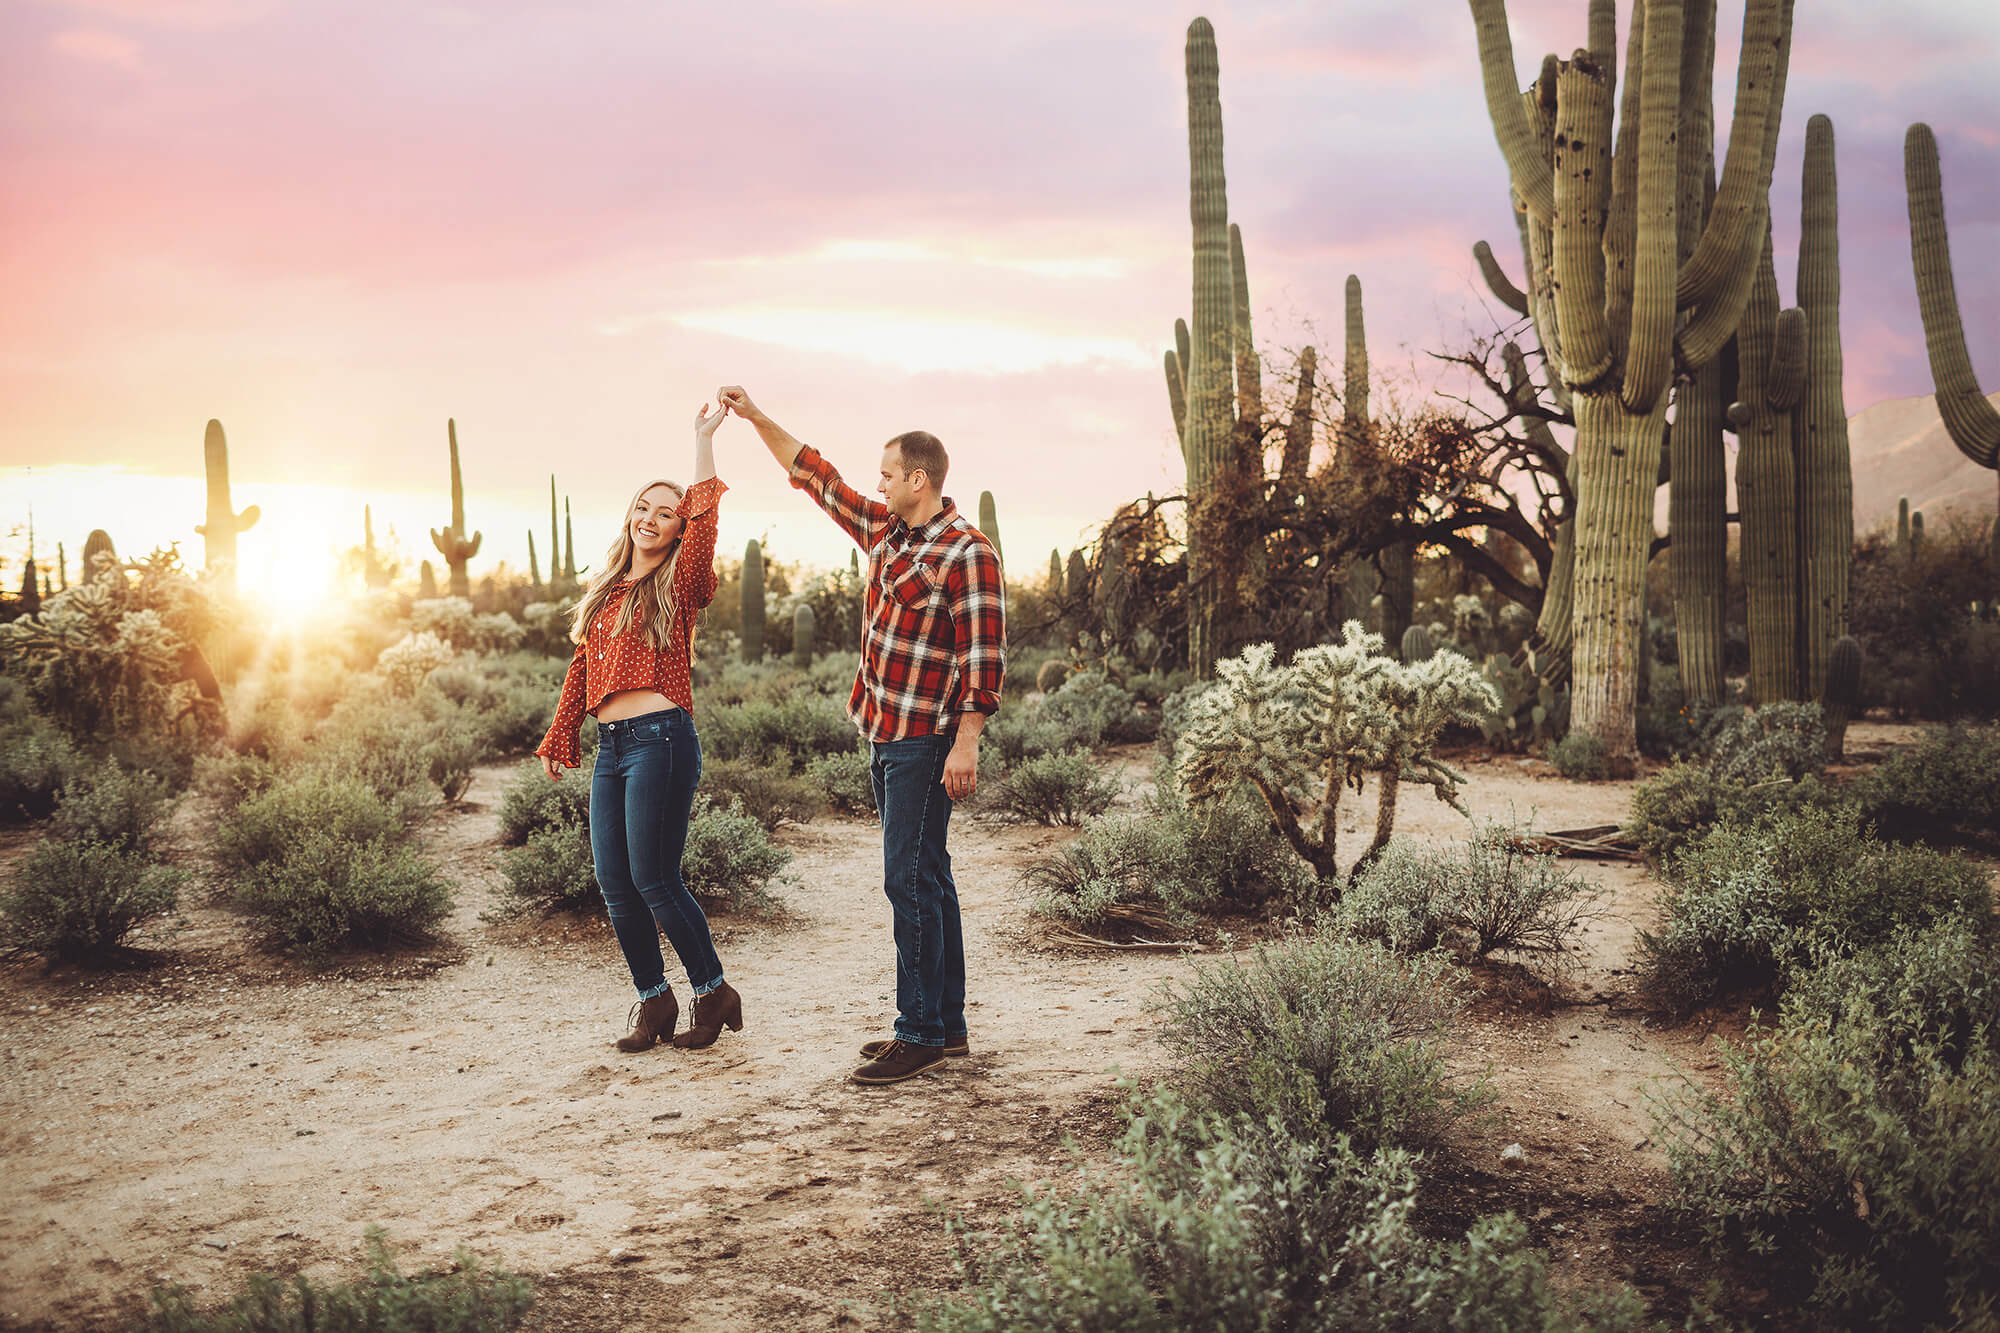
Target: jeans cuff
(656, 991)
(716, 984)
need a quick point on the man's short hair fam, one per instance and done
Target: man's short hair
(921, 449)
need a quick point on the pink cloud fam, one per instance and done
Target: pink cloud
(97, 47)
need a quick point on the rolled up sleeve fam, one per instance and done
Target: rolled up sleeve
(859, 517)
(979, 619)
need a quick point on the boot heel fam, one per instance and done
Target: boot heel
(734, 1018)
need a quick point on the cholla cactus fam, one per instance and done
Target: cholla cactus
(1302, 732)
(408, 663)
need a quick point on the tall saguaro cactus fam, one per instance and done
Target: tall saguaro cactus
(1825, 467)
(1624, 311)
(989, 523)
(452, 543)
(1209, 364)
(753, 601)
(1972, 421)
(224, 523)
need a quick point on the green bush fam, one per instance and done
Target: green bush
(381, 739)
(77, 898)
(268, 729)
(795, 728)
(770, 793)
(1192, 865)
(1858, 1142)
(1677, 805)
(553, 869)
(1483, 896)
(1778, 740)
(1947, 785)
(1055, 789)
(466, 1298)
(1324, 1036)
(730, 858)
(449, 755)
(230, 778)
(327, 892)
(1090, 705)
(844, 780)
(532, 802)
(1746, 904)
(1580, 757)
(112, 805)
(36, 761)
(1235, 1226)
(265, 829)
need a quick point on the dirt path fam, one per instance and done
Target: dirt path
(225, 1112)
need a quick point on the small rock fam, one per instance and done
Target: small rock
(215, 1242)
(1513, 1152)
(1641, 1145)
(667, 1115)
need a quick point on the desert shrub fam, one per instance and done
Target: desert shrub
(1778, 740)
(408, 663)
(76, 898)
(36, 761)
(1483, 896)
(1192, 864)
(1020, 733)
(1947, 785)
(267, 729)
(229, 778)
(770, 793)
(1677, 805)
(512, 697)
(265, 828)
(1857, 1142)
(843, 779)
(379, 738)
(1091, 705)
(1580, 757)
(449, 620)
(1924, 652)
(1747, 903)
(449, 755)
(326, 892)
(116, 806)
(466, 1298)
(1324, 1035)
(1234, 1226)
(552, 869)
(532, 802)
(1055, 789)
(798, 727)
(730, 858)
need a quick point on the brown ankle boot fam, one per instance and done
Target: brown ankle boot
(652, 1020)
(711, 1011)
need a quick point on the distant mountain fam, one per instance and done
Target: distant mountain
(1900, 449)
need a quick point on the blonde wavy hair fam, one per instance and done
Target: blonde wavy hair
(652, 599)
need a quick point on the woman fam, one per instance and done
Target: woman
(632, 631)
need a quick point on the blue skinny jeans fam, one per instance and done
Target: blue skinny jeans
(641, 793)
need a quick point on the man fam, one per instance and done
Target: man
(933, 656)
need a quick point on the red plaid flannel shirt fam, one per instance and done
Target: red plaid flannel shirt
(935, 640)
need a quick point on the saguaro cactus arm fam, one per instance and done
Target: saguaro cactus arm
(1498, 282)
(1746, 169)
(1530, 171)
(1249, 369)
(1582, 186)
(1649, 350)
(1973, 422)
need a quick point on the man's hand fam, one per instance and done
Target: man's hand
(552, 768)
(705, 421)
(961, 767)
(732, 397)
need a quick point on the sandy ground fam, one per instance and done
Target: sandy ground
(221, 1111)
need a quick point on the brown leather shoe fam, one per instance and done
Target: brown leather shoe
(721, 1006)
(652, 1021)
(898, 1061)
(955, 1047)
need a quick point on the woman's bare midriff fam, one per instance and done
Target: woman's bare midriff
(631, 703)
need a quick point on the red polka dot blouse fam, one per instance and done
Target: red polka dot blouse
(604, 664)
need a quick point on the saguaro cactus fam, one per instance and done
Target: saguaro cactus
(753, 601)
(373, 573)
(451, 542)
(223, 524)
(1622, 311)
(804, 627)
(555, 537)
(1772, 356)
(989, 522)
(1210, 415)
(1825, 467)
(569, 545)
(98, 549)
(62, 567)
(1840, 690)
(1972, 421)
(427, 581)
(534, 566)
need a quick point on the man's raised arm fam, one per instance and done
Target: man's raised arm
(861, 518)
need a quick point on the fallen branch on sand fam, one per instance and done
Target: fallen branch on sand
(1599, 842)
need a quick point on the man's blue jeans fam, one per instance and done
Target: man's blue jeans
(908, 777)
(641, 794)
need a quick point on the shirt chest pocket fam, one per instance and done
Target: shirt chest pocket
(912, 584)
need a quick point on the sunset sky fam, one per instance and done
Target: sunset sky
(333, 226)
